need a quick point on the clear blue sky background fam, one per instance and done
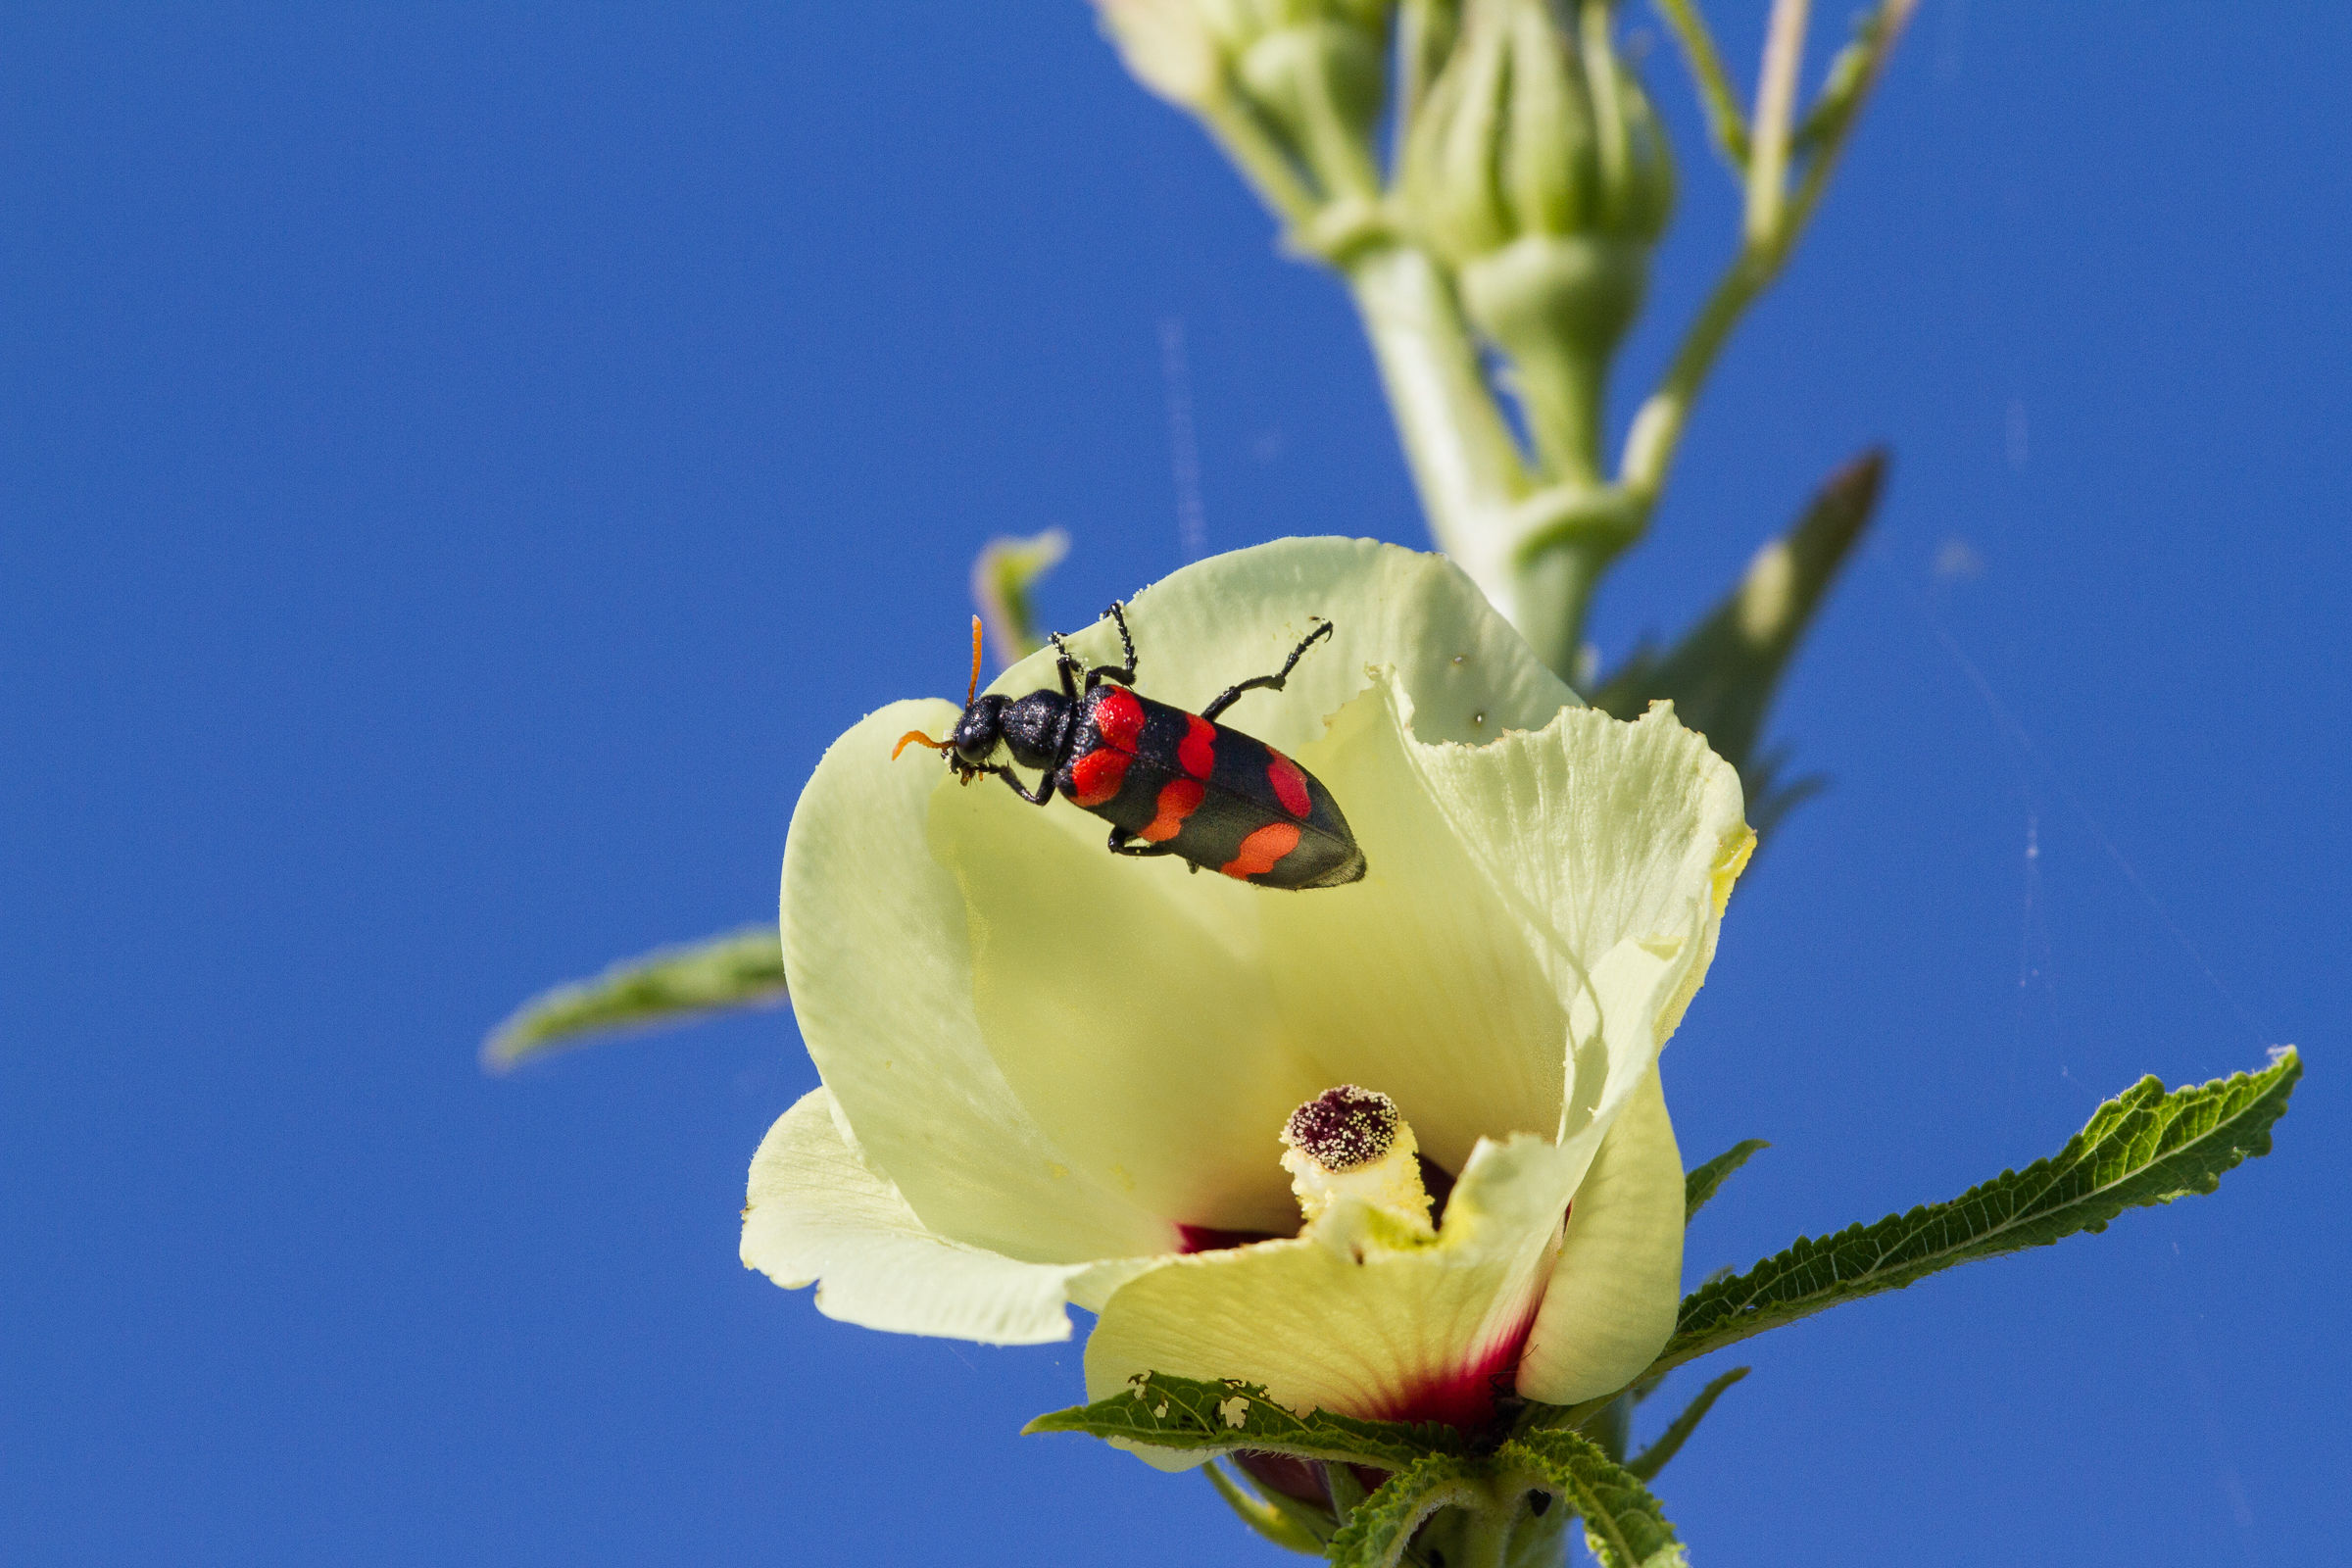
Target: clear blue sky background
(463, 463)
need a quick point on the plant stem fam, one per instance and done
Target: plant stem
(1464, 461)
(1727, 122)
(1776, 105)
(1657, 428)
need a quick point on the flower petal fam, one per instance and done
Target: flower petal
(1611, 1303)
(816, 1211)
(1128, 1004)
(875, 938)
(1233, 616)
(1618, 843)
(1424, 979)
(1358, 1315)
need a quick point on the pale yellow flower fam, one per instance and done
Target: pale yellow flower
(1055, 1076)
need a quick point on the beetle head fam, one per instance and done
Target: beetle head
(977, 731)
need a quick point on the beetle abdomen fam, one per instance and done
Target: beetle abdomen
(1224, 800)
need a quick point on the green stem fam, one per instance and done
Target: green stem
(1776, 107)
(1727, 123)
(1484, 1541)
(1657, 428)
(1464, 461)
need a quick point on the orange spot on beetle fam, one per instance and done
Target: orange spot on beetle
(1289, 783)
(1120, 719)
(1178, 799)
(1099, 775)
(1198, 750)
(1262, 851)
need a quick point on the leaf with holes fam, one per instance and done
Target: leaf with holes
(1167, 1412)
(1381, 1529)
(2143, 1146)
(1623, 1523)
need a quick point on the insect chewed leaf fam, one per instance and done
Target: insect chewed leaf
(743, 968)
(2143, 1146)
(1623, 1523)
(1378, 1532)
(1168, 1412)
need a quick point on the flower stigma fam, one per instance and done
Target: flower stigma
(1352, 1142)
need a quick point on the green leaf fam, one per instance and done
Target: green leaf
(1650, 1460)
(743, 968)
(1002, 578)
(1721, 678)
(1378, 1532)
(1701, 1184)
(1282, 1526)
(1623, 1523)
(2143, 1146)
(1215, 1416)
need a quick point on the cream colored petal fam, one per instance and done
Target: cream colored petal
(1200, 629)
(1617, 843)
(1424, 979)
(816, 1212)
(875, 942)
(1356, 1315)
(1614, 1290)
(1131, 1006)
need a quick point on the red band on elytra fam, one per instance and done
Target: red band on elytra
(1262, 851)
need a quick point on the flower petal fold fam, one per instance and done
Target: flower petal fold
(816, 1210)
(1614, 1290)
(1358, 1315)
(874, 933)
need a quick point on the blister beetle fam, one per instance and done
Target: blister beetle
(1169, 782)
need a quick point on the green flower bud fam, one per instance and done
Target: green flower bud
(1539, 172)
(1308, 76)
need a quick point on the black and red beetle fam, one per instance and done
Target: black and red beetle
(1167, 781)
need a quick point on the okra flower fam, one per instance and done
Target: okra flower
(1389, 1148)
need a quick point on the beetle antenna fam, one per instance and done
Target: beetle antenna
(974, 690)
(915, 737)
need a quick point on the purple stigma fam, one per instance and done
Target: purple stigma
(1344, 1127)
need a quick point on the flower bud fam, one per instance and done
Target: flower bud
(1311, 72)
(1538, 172)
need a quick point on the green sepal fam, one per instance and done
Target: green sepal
(1650, 1460)
(1215, 1417)
(1281, 1525)
(1380, 1532)
(1623, 1523)
(1722, 676)
(2143, 1146)
(1702, 1184)
(674, 984)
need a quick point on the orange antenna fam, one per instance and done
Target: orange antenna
(915, 737)
(974, 690)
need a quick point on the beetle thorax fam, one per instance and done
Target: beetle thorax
(1036, 728)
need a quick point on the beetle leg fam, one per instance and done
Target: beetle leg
(1271, 683)
(1013, 782)
(1069, 664)
(1123, 842)
(1124, 674)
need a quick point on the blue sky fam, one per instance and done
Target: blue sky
(464, 464)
